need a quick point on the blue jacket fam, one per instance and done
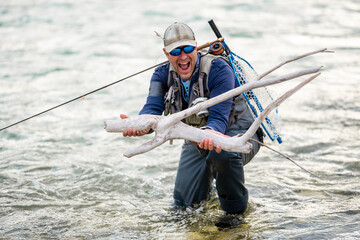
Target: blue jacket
(221, 79)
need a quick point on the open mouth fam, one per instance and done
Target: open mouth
(184, 66)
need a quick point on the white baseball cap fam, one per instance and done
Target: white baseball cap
(178, 34)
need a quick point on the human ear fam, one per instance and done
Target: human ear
(165, 51)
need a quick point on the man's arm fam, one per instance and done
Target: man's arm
(221, 79)
(158, 87)
(154, 102)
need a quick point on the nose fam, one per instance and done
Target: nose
(183, 55)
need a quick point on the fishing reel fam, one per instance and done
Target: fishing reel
(216, 48)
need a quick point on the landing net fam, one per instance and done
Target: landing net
(258, 98)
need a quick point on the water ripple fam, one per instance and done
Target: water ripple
(63, 177)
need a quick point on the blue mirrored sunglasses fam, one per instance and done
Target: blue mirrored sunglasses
(186, 49)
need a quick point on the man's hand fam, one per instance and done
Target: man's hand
(207, 143)
(132, 132)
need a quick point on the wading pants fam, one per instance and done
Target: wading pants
(196, 172)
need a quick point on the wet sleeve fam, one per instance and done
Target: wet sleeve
(221, 79)
(158, 87)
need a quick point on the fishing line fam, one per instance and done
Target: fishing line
(82, 96)
(283, 155)
(96, 90)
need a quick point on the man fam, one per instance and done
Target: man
(175, 86)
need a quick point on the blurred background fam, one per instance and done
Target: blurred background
(63, 177)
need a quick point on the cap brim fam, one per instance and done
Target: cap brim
(179, 44)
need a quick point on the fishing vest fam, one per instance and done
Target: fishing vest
(199, 92)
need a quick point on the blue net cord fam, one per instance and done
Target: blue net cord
(241, 78)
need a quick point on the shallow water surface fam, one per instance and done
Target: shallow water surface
(63, 177)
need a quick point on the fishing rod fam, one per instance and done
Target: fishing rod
(240, 76)
(103, 87)
(251, 98)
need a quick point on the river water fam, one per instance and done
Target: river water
(63, 177)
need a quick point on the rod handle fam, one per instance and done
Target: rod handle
(205, 45)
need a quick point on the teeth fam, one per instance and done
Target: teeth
(184, 66)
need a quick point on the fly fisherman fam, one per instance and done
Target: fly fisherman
(188, 78)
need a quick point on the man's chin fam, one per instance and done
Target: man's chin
(185, 76)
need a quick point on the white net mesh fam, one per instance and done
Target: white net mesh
(258, 99)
